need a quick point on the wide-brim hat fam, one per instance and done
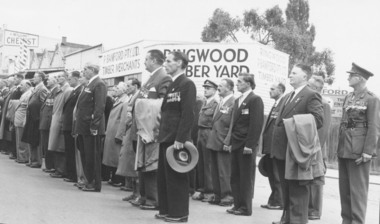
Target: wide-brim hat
(182, 160)
(262, 166)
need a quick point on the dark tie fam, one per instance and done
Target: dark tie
(291, 97)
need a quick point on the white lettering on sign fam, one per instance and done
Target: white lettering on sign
(121, 62)
(13, 38)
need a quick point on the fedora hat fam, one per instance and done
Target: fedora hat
(182, 160)
(262, 166)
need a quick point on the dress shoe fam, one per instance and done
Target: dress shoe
(5, 152)
(69, 180)
(90, 189)
(280, 222)
(56, 175)
(176, 219)
(231, 210)
(130, 197)
(198, 196)
(137, 202)
(78, 185)
(21, 162)
(28, 164)
(241, 212)
(207, 197)
(226, 201)
(314, 217)
(160, 216)
(49, 170)
(272, 207)
(12, 157)
(148, 207)
(214, 200)
(35, 166)
(125, 188)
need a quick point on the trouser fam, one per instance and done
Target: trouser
(275, 198)
(35, 155)
(89, 147)
(295, 197)
(221, 173)
(70, 155)
(48, 155)
(204, 162)
(243, 170)
(353, 189)
(22, 148)
(81, 179)
(148, 187)
(172, 187)
(315, 200)
(59, 160)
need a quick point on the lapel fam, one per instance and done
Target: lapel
(269, 118)
(243, 104)
(173, 87)
(290, 105)
(218, 114)
(152, 79)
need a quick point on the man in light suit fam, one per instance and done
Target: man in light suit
(275, 199)
(156, 87)
(220, 158)
(90, 126)
(177, 117)
(67, 126)
(316, 191)
(303, 100)
(204, 128)
(246, 126)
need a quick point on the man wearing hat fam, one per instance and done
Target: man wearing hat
(204, 128)
(177, 115)
(275, 199)
(358, 137)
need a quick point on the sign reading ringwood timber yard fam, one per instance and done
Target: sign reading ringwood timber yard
(335, 97)
(214, 61)
(13, 38)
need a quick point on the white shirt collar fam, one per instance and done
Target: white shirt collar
(155, 71)
(224, 99)
(243, 96)
(176, 76)
(92, 79)
(210, 99)
(76, 87)
(278, 100)
(296, 91)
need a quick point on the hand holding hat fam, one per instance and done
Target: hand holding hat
(183, 159)
(178, 145)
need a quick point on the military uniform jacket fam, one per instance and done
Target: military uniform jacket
(360, 125)
(220, 125)
(177, 111)
(89, 112)
(206, 114)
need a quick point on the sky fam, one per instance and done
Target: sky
(350, 28)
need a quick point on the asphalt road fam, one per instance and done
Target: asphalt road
(31, 196)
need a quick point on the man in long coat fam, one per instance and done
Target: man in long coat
(154, 88)
(56, 139)
(90, 126)
(31, 133)
(112, 144)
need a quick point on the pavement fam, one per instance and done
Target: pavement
(31, 196)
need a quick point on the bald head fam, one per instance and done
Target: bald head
(316, 83)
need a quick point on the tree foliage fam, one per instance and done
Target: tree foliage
(293, 35)
(220, 26)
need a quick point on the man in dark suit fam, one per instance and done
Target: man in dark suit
(156, 87)
(204, 128)
(90, 126)
(67, 126)
(275, 199)
(245, 130)
(316, 190)
(303, 100)
(358, 140)
(177, 115)
(45, 122)
(220, 158)
(31, 133)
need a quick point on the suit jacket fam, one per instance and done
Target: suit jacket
(89, 113)
(323, 132)
(307, 101)
(268, 128)
(247, 122)
(47, 110)
(220, 125)
(177, 111)
(157, 85)
(68, 108)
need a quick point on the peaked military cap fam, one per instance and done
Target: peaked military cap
(356, 69)
(209, 83)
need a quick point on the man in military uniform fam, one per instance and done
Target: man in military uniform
(358, 137)
(204, 129)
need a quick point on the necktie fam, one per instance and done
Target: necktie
(291, 97)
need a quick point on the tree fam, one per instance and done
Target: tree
(220, 26)
(323, 64)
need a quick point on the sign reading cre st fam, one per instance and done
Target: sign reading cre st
(13, 38)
